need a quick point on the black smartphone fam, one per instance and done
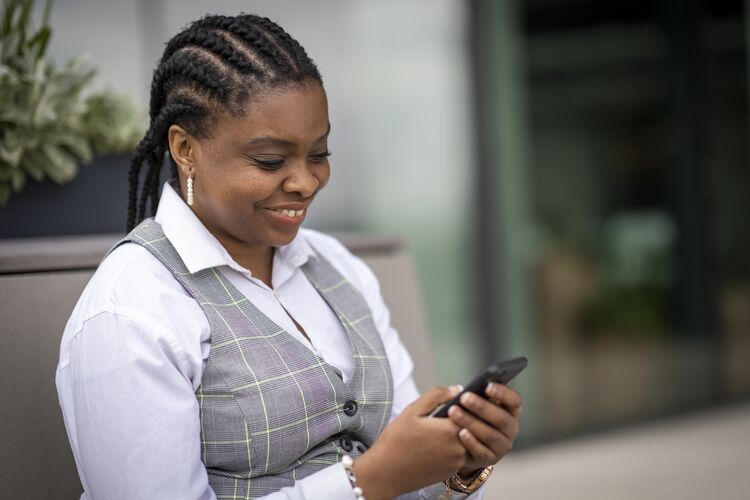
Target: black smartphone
(502, 373)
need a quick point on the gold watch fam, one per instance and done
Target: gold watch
(457, 483)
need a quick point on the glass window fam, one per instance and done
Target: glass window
(628, 193)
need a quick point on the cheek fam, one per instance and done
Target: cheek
(237, 207)
(249, 193)
(231, 193)
(324, 175)
(229, 178)
(217, 189)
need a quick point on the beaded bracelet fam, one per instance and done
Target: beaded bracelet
(347, 461)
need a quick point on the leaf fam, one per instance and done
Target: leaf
(76, 144)
(40, 40)
(7, 17)
(112, 122)
(11, 44)
(12, 138)
(62, 167)
(34, 163)
(4, 193)
(11, 156)
(14, 116)
(23, 17)
(17, 180)
(47, 11)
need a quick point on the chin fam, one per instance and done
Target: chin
(284, 239)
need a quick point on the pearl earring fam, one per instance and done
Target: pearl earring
(190, 190)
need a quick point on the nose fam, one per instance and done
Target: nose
(301, 180)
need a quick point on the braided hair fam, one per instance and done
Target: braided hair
(216, 64)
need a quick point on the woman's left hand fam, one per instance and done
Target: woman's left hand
(489, 427)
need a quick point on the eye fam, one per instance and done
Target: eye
(267, 162)
(320, 157)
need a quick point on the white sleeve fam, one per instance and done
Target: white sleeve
(137, 426)
(137, 431)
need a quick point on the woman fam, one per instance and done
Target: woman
(219, 350)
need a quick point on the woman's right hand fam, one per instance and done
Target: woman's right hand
(413, 451)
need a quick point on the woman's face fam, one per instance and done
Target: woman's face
(256, 175)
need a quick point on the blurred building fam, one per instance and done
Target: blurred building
(614, 173)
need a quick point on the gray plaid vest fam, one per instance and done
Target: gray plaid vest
(271, 410)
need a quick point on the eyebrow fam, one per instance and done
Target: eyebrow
(277, 141)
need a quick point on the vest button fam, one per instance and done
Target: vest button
(346, 444)
(350, 407)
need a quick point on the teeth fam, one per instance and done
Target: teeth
(291, 213)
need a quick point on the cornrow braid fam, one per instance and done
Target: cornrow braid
(215, 65)
(153, 167)
(189, 66)
(215, 43)
(257, 38)
(294, 48)
(133, 178)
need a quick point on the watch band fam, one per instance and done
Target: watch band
(457, 483)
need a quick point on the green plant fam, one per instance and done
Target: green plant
(47, 127)
(112, 123)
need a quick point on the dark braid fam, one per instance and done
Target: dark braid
(133, 178)
(186, 65)
(213, 66)
(257, 38)
(294, 47)
(246, 27)
(153, 166)
(156, 182)
(215, 43)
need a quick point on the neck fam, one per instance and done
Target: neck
(257, 258)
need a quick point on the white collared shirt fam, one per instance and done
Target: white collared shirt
(135, 346)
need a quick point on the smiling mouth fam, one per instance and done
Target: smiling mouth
(288, 213)
(286, 216)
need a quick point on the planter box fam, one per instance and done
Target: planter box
(96, 201)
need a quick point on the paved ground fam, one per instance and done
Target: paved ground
(696, 457)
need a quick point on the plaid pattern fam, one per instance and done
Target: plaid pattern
(271, 410)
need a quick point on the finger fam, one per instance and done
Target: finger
(476, 449)
(505, 396)
(496, 416)
(489, 436)
(431, 399)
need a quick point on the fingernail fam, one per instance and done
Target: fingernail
(456, 388)
(464, 433)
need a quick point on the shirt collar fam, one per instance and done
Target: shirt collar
(199, 249)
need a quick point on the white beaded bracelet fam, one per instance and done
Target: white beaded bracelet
(347, 461)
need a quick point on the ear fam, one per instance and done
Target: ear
(182, 147)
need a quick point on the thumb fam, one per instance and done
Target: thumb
(431, 399)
